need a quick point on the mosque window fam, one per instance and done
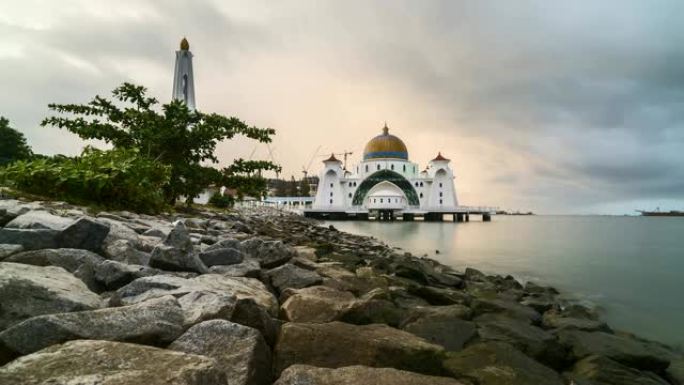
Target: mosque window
(416, 184)
(331, 193)
(350, 195)
(331, 201)
(421, 184)
(331, 185)
(440, 201)
(380, 200)
(404, 168)
(366, 168)
(392, 167)
(440, 194)
(421, 195)
(378, 167)
(440, 184)
(414, 168)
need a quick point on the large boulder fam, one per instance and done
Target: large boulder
(354, 375)
(289, 276)
(316, 304)
(159, 285)
(507, 307)
(86, 233)
(573, 317)
(39, 219)
(270, 254)
(177, 252)
(27, 291)
(447, 326)
(249, 267)
(627, 350)
(498, 363)
(337, 344)
(221, 256)
(123, 250)
(531, 340)
(81, 263)
(368, 310)
(239, 351)
(87, 362)
(7, 250)
(155, 322)
(201, 306)
(604, 371)
(113, 274)
(30, 239)
(249, 313)
(676, 371)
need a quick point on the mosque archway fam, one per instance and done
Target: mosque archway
(388, 176)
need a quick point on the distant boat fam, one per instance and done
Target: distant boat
(658, 213)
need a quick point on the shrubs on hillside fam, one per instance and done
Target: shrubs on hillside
(221, 201)
(119, 178)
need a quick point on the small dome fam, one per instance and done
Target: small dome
(385, 146)
(440, 158)
(184, 45)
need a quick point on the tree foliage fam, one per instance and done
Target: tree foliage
(173, 135)
(12, 144)
(119, 178)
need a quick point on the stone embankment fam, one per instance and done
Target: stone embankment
(260, 297)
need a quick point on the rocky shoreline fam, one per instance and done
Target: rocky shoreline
(262, 297)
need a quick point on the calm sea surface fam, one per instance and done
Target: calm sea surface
(632, 268)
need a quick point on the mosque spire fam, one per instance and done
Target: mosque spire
(385, 129)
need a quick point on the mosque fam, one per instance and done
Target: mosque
(387, 185)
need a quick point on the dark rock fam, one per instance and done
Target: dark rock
(30, 239)
(540, 303)
(676, 371)
(155, 322)
(627, 350)
(39, 219)
(247, 268)
(239, 351)
(177, 252)
(439, 297)
(366, 311)
(337, 344)
(86, 362)
(316, 304)
(497, 363)
(531, 340)
(123, 250)
(446, 326)
(555, 319)
(27, 291)
(597, 370)
(81, 263)
(289, 276)
(85, 233)
(112, 274)
(474, 274)
(512, 309)
(269, 254)
(224, 256)
(8, 250)
(355, 375)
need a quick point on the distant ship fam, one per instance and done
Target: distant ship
(658, 213)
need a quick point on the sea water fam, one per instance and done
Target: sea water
(631, 268)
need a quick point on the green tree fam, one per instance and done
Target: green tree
(12, 144)
(304, 188)
(174, 135)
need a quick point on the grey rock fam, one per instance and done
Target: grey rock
(366, 311)
(316, 304)
(597, 370)
(155, 233)
(510, 308)
(497, 363)
(223, 256)
(81, 263)
(87, 362)
(85, 233)
(7, 250)
(354, 375)
(27, 291)
(30, 239)
(199, 306)
(290, 276)
(554, 319)
(39, 219)
(270, 254)
(239, 351)
(531, 340)
(676, 371)
(627, 350)
(440, 297)
(336, 344)
(155, 322)
(159, 285)
(249, 313)
(174, 259)
(230, 243)
(113, 274)
(446, 326)
(179, 237)
(123, 250)
(249, 267)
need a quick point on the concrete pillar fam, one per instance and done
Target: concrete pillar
(486, 217)
(407, 217)
(467, 217)
(459, 217)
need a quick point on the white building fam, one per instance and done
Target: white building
(183, 81)
(386, 184)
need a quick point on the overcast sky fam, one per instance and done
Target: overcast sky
(552, 106)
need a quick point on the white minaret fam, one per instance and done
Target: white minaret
(183, 83)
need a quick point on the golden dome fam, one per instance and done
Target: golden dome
(184, 45)
(385, 146)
